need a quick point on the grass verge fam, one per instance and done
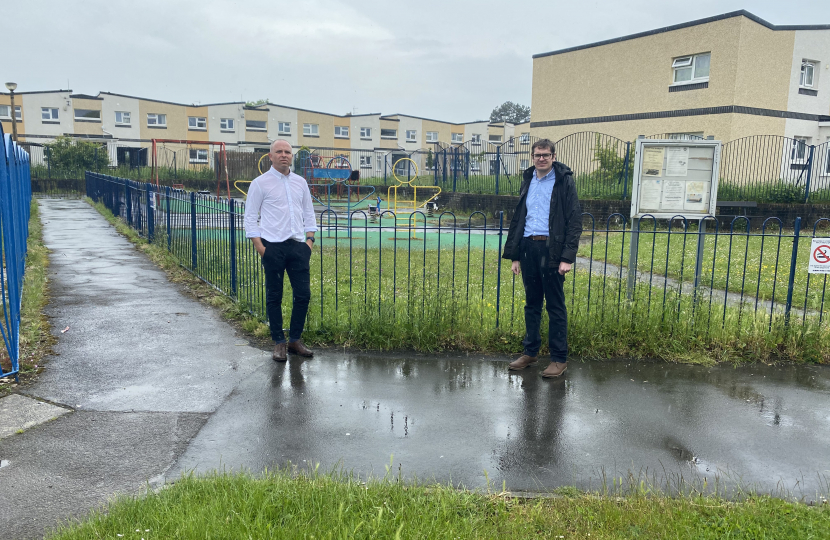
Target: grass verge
(311, 505)
(35, 338)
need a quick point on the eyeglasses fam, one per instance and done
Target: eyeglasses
(542, 156)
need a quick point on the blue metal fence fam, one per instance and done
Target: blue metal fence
(722, 284)
(15, 200)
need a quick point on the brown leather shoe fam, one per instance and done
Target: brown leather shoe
(523, 362)
(297, 347)
(279, 354)
(555, 369)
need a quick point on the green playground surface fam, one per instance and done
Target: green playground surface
(372, 238)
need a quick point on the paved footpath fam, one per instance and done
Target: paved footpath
(147, 383)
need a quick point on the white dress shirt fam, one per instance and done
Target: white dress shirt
(279, 207)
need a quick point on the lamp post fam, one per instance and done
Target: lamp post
(12, 87)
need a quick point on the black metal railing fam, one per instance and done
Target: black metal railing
(690, 286)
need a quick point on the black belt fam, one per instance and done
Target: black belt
(536, 237)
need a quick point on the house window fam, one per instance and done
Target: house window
(525, 164)
(341, 132)
(122, 118)
(432, 136)
(524, 138)
(799, 150)
(284, 128)
(48, 114)
(691, 69)
(495, 138)
(365, 133)
(476, 139)
(256, 125)
(389, 133)
(196, 122)
(311, 130)
(87, 114)
(6, 114)
(226, 124)
(807, 73)
(411, 135)
(154, 119)
(366, 162)
(198, 156)
(458, 138)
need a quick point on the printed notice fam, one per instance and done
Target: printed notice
(653, 160)
(819, 256)
(650, 194)
(677, 161)
(674, 192)
(695, 196)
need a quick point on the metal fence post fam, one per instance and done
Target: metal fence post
(232, 230)
(701, 243)
(498, 168)
(454, 168)
(167, 207)
(791, 282)
(632, 257)
(809, 174)
(626, 164)
(193, 258)
(151, 217)
(129, 202)
(498, 262)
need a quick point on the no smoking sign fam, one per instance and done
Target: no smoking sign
(819, 256)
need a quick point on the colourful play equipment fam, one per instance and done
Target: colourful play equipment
(406, 210)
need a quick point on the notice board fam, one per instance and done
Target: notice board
(675, 178)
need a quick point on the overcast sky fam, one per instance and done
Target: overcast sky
(450, 60)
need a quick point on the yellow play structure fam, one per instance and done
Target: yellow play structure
(406, 210)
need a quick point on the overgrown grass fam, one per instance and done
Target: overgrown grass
(35, 336)
(755, 265)
(312, 505)
(423, 298)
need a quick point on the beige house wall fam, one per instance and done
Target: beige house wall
(199, 112)
(762, 64)
(443, 129)
(87, 127)
(325, 129)
(176, 120)
(5, 99)
(252, 135)
(390, 144)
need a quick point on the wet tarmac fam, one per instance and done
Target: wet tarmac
(156, 383)
(469, 421)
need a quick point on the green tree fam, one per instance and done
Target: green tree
(429, 159)
(68, 154)
(610, 161)
(257, 103)
(510, 112)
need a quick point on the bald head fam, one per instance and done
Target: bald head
(281, 155)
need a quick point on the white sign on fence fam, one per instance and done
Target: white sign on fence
(819, 256)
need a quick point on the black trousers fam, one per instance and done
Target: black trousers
(543, 283)
(290, 256)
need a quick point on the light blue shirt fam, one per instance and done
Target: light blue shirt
(538, 204)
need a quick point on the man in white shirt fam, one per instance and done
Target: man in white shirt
(279, 219)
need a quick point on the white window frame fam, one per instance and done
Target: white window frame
(197, 123)
(50, 112)
(802, 83)
(253, 128)
(365, 162)
(524, 164)
(341, 132)
(284, 128)
(227, 124)
(199, 153)
(411, 135)
(475, 138)
(393, 136)
(524, 138)
(311, 130)
(689, 62)
(365, 133)
(432, 136)
(157, 119)
(799, 143)
(82, 118)
(491, 138)
(126, 118)
(457, 138)
(17, 110)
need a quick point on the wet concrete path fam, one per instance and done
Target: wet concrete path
(157, 384)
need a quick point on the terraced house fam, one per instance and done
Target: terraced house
(728, 76)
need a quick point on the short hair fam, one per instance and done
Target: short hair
(281, 140)
(543, 143)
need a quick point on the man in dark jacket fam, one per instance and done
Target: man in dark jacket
(542, 243)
